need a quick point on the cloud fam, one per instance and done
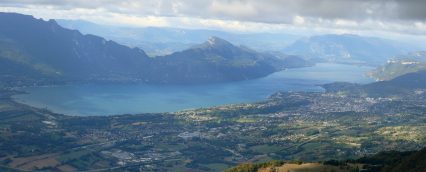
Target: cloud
(237, 9)
(273, 11)
(314, 16)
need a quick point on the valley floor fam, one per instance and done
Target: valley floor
(288, 126)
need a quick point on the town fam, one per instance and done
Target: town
(308, 126)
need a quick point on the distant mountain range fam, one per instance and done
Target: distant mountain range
(347, 48)
(400, 65)
(166, 40)
(34, 48)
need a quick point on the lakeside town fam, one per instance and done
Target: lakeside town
(308, 126)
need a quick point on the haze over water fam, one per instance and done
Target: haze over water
(113, 99)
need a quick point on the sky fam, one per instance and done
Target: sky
(405, 19)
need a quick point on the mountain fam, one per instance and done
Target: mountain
(411, 84)
(410, 81)
(347, 48)
(32, 49)
(400, 65)
(217, 60)
(166, 40)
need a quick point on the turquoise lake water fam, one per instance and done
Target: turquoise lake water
(110, 99)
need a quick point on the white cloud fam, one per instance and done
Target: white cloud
(238, 9)
(298, 20)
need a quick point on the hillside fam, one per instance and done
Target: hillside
(410, 84)
(32, 47)
(414, 162)
(399, 85)
(391, 161)
(400, 65)
(347, 48)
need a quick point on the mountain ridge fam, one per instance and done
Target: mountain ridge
(166, 40)
(50, 51)
(400, 65)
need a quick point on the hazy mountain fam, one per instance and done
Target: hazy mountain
(37, 47)
(400, 65)
(33, 48)
(347, 48)
(217, 60)
(291, 61)
(166, 40)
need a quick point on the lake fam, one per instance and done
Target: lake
(110, 99)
